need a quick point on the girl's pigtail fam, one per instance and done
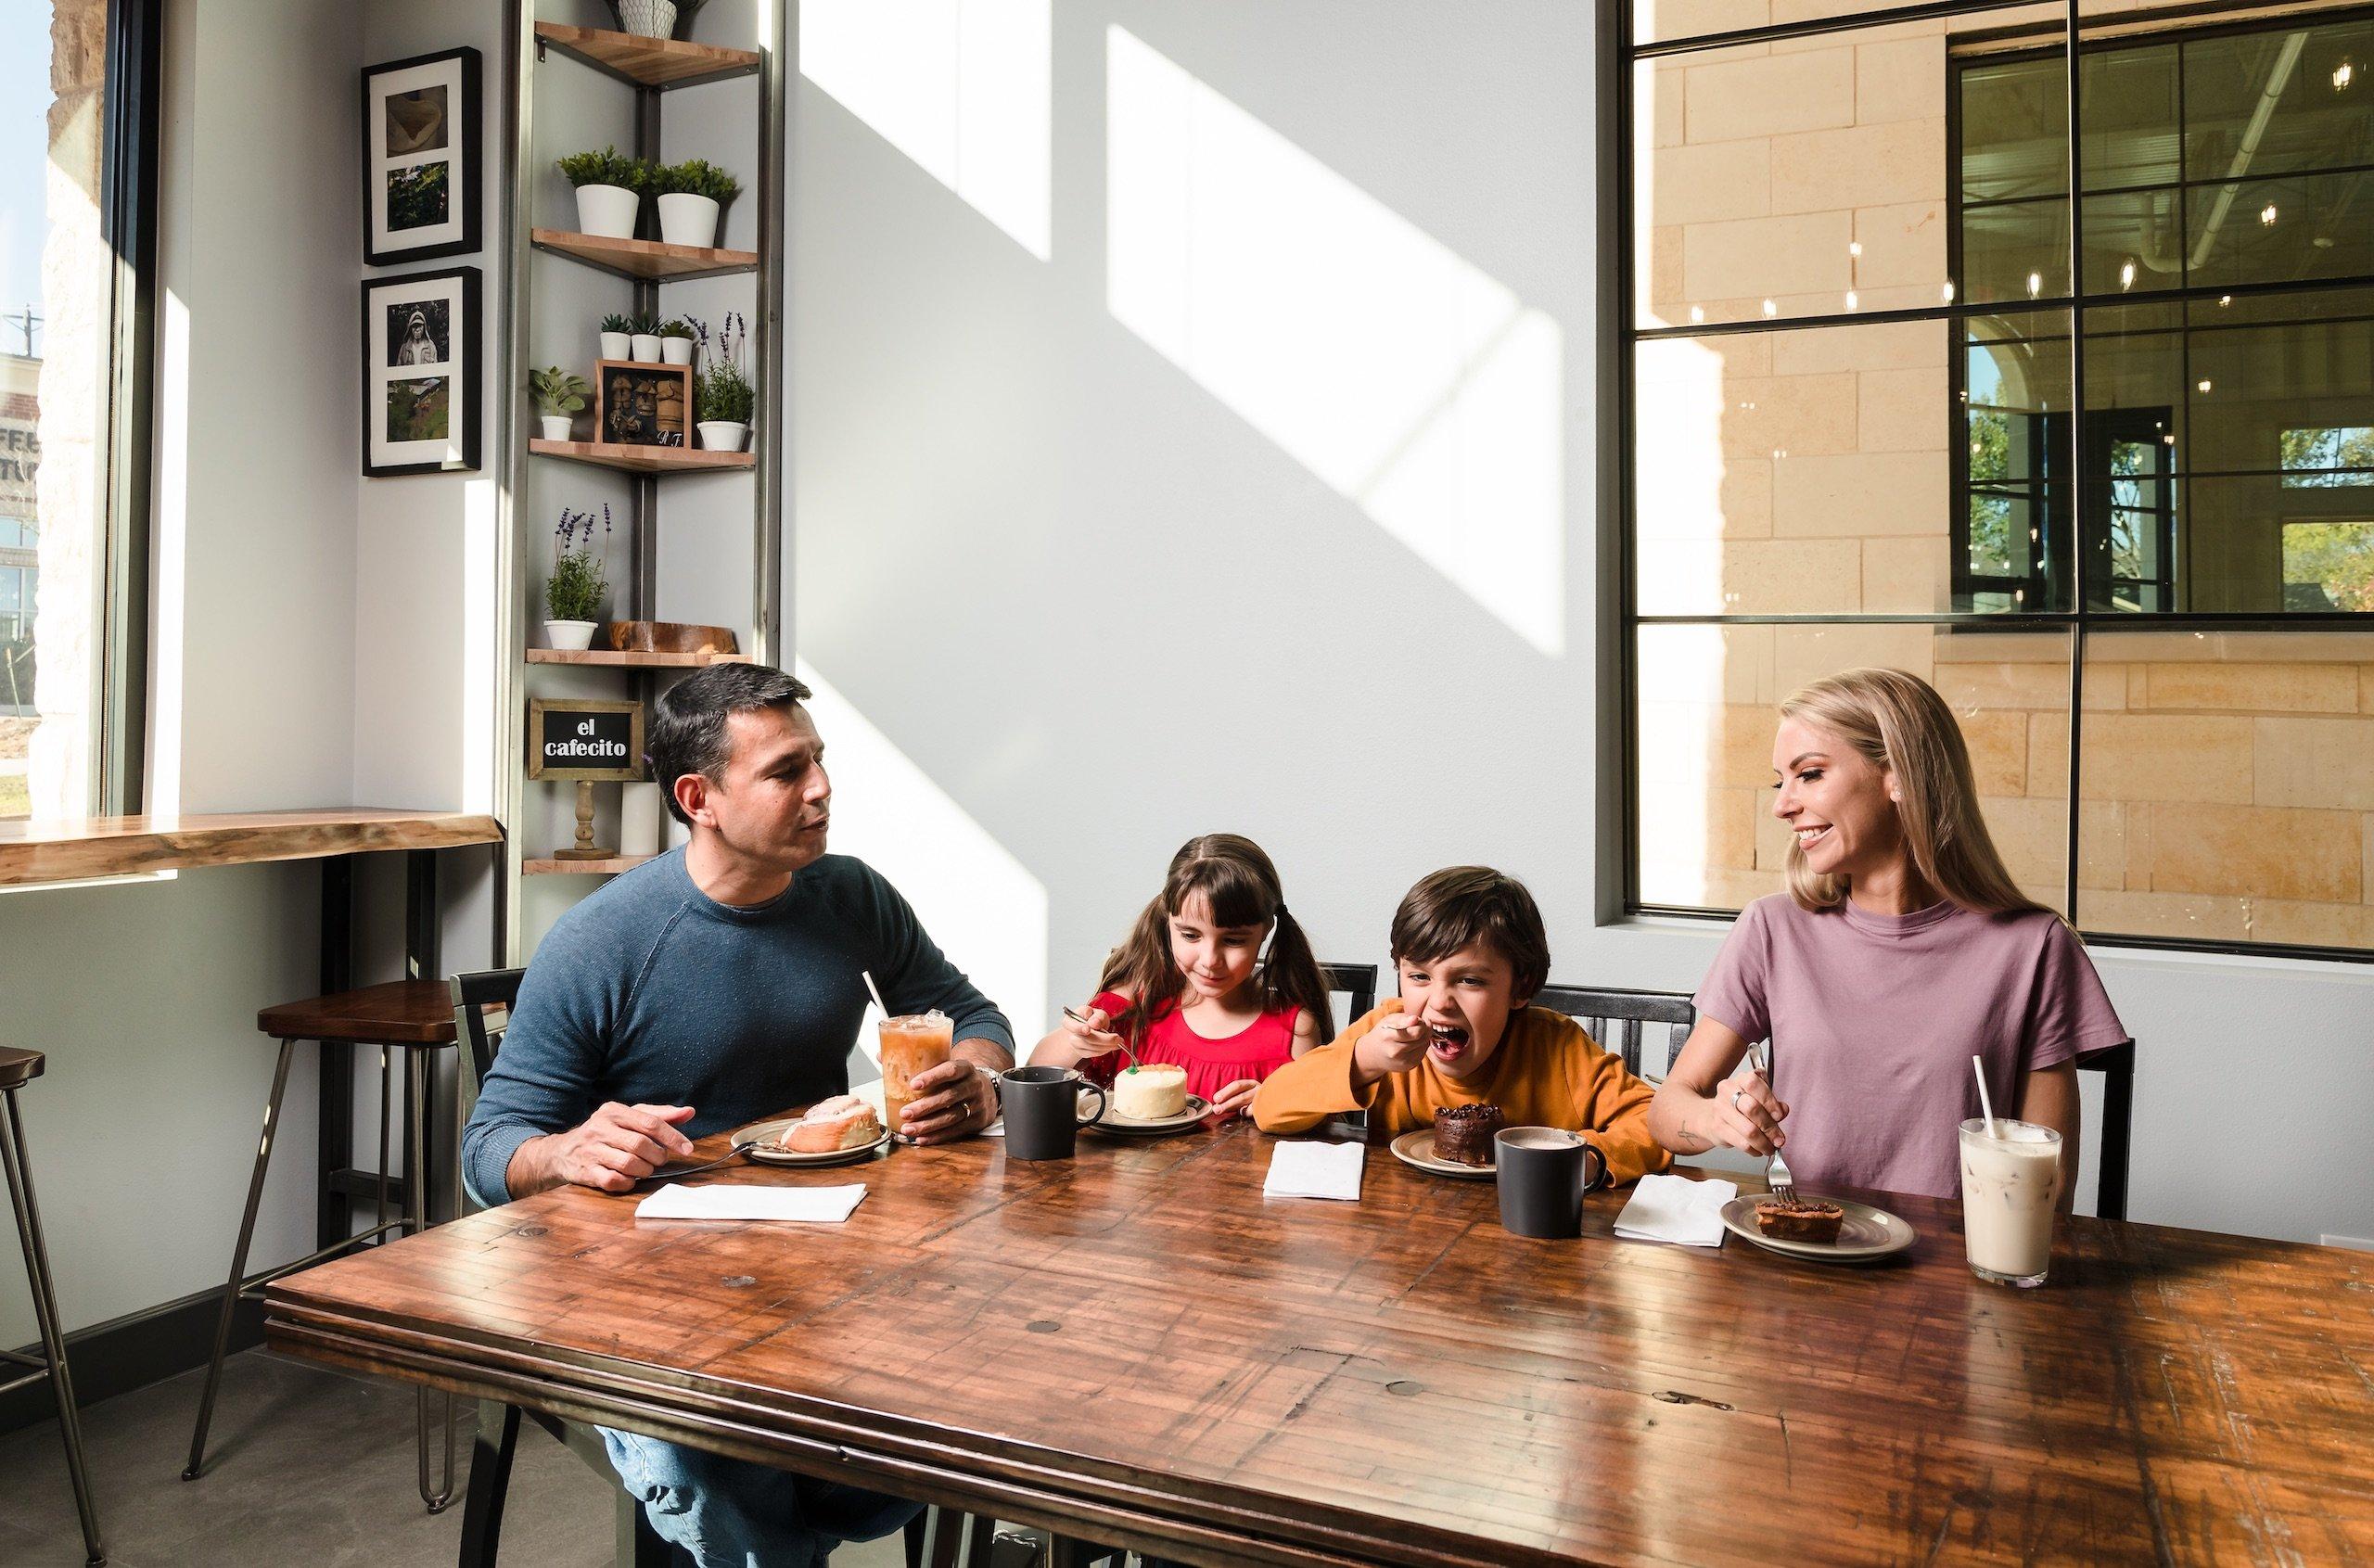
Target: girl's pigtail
(1293, 975)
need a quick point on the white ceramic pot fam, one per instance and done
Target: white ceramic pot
(614, 345)
(639, 820)
(647, 347)
(607, 211)
(723, 435)
(686, 218)
(650, 18)
(555, 426)
(569, 633)
(676, 350)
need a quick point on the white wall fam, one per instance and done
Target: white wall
(1087, 586)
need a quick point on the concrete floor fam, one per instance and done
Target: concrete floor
(304, 1466)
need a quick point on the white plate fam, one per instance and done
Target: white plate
(1864, 1234)
(1418, 1149)
(768, 1135)
(1198, 1109)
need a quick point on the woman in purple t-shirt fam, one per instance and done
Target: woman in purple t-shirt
(1901, 949)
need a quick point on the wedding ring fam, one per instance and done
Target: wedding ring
(1735, 1098)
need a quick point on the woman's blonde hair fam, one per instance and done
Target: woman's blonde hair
(1898, 722)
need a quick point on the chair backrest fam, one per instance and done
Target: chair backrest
(1614, 1018)
(2117, 1067)
(472, 995)
(1358, 980)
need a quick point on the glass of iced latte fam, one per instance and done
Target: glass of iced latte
(911, 1045)
(2010, 1189)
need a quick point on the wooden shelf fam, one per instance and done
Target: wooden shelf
(611, 658)
(648, 62)
(644, 459)
(646, 259)
(69, 849)
(610, 867)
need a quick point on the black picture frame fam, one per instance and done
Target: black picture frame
(419, 348)
(422, 199)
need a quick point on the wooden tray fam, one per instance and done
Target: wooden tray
(669, 637)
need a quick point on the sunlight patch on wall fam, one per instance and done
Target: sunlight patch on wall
(981, 905)
(1408, 381)
(963, 87)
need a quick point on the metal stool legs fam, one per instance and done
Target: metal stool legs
(53, 1339)
(413, 1220)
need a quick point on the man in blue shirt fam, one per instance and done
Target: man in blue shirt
(716, 985)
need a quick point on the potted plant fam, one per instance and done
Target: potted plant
(643, 340)
(559, 393)
(609, 184)
(615, 328)
(691, 198)
(574, 592)
(649, 18)
(723, 399)
(677, 341)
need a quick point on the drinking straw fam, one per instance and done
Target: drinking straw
(870, 986)
(1975, 1066)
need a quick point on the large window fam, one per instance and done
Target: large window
(2103, 471)
(74, 220)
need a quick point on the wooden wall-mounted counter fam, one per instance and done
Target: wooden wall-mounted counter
(70, 850)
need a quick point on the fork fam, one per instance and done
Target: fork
(1115, 1034)
(1776, 1169)
(728, 1158)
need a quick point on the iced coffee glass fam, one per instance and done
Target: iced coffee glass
(911, 1045)
(2010, 1189)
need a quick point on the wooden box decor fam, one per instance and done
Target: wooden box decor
(669, 637)
(641, 404)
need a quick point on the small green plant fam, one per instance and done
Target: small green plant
(615, 323)
(608, 167)
(697, 176)
(677, 328)
(557, 391)
(645, 326)
(724, 393)
(574, 591)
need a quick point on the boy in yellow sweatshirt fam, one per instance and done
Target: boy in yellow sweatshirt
(1471, 952)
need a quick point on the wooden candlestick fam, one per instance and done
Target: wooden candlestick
(585, 849)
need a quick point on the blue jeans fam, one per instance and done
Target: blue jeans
(731, 1514)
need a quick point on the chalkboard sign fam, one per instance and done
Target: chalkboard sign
(584, 740)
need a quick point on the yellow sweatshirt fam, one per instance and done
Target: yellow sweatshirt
(1548, 1071)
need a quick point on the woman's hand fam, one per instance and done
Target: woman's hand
(1743, 1113)
(1712, 1098)
(1234, 1099)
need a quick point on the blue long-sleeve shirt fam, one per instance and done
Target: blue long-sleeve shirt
(652, 992)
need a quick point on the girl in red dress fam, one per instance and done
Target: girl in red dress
(1190, 985)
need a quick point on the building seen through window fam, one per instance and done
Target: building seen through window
(1877, 416)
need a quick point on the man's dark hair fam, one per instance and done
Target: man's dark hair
(688, 722)
(1462, 905)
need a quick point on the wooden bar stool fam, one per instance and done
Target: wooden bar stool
(18, 1069)
(417, 1018)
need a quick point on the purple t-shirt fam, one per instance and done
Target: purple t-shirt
(1873, 1020)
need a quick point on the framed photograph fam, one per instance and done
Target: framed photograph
(640, 405)
(420, 158)
(420, 373)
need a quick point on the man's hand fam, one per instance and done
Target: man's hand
(955, 1100)
(1395, 1045)
(611, 1150)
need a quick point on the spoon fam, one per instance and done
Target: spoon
(1123, 1038)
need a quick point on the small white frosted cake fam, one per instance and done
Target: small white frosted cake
(1149, 1092)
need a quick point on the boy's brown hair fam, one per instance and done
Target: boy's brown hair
(1461, 905)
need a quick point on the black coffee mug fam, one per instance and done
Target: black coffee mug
(1042, 1116)
(1542, 1174)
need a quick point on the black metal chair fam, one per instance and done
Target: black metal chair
(1357, 981)
(1615, 1018)
(18, 1069)
(2117, 1066)
(936, 1539)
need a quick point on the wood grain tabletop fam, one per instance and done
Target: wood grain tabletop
(1138, 1348)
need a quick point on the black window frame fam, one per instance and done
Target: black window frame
(1620, 54)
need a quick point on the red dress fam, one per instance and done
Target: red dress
(1257, 1051)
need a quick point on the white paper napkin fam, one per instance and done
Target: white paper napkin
(726, 1200)
(1315, 1170)
(1675, 1208)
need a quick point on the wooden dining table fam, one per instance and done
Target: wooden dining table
(1135, 1346)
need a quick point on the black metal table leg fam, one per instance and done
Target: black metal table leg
(334, 1213)
(490, 1483)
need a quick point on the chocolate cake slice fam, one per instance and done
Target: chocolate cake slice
(1806, 1219)
(1464, 1133)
